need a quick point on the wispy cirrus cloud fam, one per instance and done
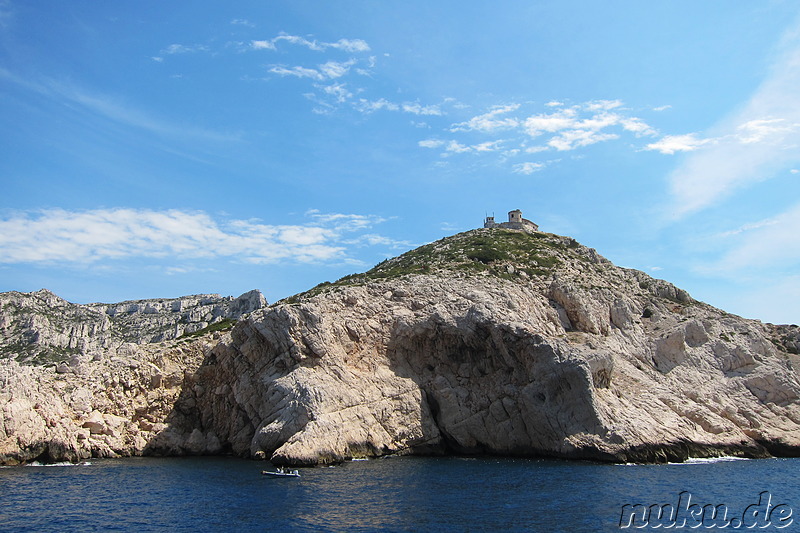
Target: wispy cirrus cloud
(760, 130)
(176, 48)
(366, 106)
(334, 82)
(327, 97)
(184, 49)
(528, 167)
(345, 45)
(491, 121)
(243, 22)
(759, 248)
(101, 235)
(329, 70)
(756, 142)
(103, 106)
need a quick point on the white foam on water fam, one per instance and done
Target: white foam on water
(65, 463)
(708, 460)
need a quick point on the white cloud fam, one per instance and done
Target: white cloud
(560, 129)
(528, 167)
(373, 239)
(336, 69)
(537, 125)
(758, 130)
(351, 45)
(669, 144)
(603, 105)
(342, 221)
(574, 128)
(58, 235)
(637, 126)
(752, 144)
(764, 246)
(489, 146)
(431, 143)
(795, 171)
(338, 92)
(243, 22)
(300, 41)
(370, 106)
(415, 108)
(536, 149)
(489, 122)
(298, 72)
(572, 139)
(326, 71)
(345, 45)
(419, 109)
(662, 108)
(262, 45)
(457, 148)
(184, 49)
(749, 227)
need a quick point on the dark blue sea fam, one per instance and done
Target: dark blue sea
(392, 494)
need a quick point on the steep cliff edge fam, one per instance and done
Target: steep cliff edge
(79, 381)
(493, 341)
(40, 328)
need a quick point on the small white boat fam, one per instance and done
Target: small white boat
(281, 472)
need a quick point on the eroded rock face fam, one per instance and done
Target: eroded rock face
(112, 407)
(592, 361)
(98, 380)
(562, 354)
(41, 328)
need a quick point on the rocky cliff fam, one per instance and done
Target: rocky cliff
(494, 341)
(109, 407)
(79, 381)
(41, 328)
(491, 341)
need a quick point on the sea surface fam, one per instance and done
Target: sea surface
(389, 494)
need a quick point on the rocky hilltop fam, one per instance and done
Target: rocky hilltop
(491, 341)
(494, 341)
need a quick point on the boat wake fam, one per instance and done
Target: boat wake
(65, 463)
(709, 460)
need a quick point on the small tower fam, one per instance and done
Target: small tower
(515, 221)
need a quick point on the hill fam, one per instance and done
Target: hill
(496, 341)
(492, 341)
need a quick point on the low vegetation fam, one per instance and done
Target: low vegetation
(226, 324)
(496, 252)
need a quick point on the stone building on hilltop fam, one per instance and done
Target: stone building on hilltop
(515, 221)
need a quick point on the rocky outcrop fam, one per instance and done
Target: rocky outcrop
(107, 407)
(492, 341)
(562, 354)
(41, 328)
(99, 380)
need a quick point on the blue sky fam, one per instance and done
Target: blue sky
(156, 149)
